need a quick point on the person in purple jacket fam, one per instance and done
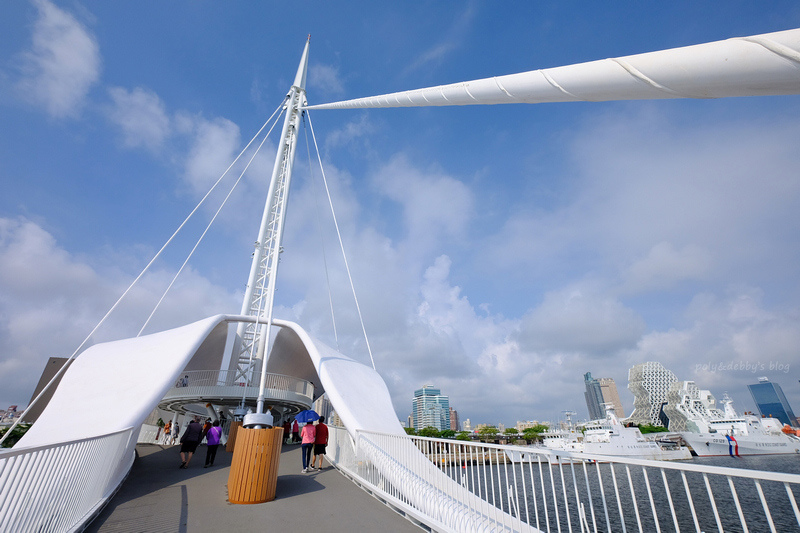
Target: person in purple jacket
(212, 440)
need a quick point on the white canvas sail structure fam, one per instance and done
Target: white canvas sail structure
(760, 65)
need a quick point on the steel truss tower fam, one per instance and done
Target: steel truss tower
(251, 339)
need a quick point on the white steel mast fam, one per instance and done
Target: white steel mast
(251, 339)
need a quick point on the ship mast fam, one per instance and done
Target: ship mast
(252, 338)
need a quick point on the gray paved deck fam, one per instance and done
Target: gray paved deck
(160, 497)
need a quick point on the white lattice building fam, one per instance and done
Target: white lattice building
(649, 383)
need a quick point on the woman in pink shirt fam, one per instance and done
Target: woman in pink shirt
(308, 436)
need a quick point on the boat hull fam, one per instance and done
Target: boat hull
(711, 445)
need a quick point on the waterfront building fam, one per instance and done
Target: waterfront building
(649, 383)
(684, 397)
(431, 408)
(771, 402)
(453, 419)
(466, 425)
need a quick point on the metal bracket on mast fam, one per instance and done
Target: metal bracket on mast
(251, 339)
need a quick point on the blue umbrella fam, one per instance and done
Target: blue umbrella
(308, 415)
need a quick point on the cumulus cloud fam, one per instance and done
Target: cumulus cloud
(728, 342)
(325, 79)
(51, 299)
(577, 320)
(664, 266)
(213, 145)
(62, 64)
(436, 207)
(141, 115)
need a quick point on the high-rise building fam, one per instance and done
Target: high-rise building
(771, 401)
(454, 419)
(594, 397)
(323, 407)
(466, 425)
(601, 391)
(649, 383)
(608, 388)
(430, 408)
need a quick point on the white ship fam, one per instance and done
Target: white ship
(711, 431)
(609, 437)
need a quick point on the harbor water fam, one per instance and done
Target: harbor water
(528, 492)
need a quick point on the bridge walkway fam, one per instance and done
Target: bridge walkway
(160, 497)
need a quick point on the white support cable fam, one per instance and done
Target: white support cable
(124, 294)
(321, 239)
(210, 222)
(341, 244)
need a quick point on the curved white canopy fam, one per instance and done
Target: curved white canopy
(116, 385)
(760, 65)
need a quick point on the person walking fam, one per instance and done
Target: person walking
(320, 442)
(308, 436)
(287, 430)
(190, 441)
(295, 431)
(167, 431)
(176, 430)
(212, 440)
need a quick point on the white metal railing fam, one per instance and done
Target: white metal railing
(59, 487)
(216, 383)
(518, 488)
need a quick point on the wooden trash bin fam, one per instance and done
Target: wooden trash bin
(254, 469)
(231, 444)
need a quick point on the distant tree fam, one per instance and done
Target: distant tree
(463, 435)
(447, 434)
(647, 428)
(410, 431)
(535, 432)
(17, 434)
(429, 431)
(510, 431)
(487, 432)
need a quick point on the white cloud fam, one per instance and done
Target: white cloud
(436, 207)
(666, 266)
(141, 115)
(213, 146)
(62, 65)
(451, 40)
(728, 343)
(325, 79)
(51, 299)
(580, 320)
(358, 129)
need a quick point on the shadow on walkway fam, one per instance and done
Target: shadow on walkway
(158, 496)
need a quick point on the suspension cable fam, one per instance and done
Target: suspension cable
(341, 244)
(322, 240)
(141, 274)
(213, 219)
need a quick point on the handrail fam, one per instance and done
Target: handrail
(60, 487)
(518, 488)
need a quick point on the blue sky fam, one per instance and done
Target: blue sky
(499, 252)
